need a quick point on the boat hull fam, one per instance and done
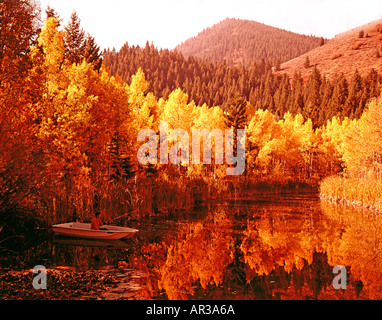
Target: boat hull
(92, 243)
(83, 230)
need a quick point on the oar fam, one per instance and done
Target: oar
(121, 216)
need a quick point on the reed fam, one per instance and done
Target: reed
(366, 193)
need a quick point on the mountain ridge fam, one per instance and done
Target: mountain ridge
(244, 41)
(344, 53)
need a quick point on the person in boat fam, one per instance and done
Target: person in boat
(75, 216)
(96, 222)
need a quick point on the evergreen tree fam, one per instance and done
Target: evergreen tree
(355, 93)
(374, 81)
(278, 65)
(307, 62)
(339, 96)
(297, 102)
(75, 40)
(324, 110)
(91, 52)
(312, 95)
(235, 117)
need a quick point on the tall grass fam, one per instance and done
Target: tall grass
(365, 193)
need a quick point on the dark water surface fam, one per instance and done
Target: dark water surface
(281, 247)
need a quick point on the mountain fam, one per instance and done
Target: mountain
(243, 41)
(357, 49)
(317, 94)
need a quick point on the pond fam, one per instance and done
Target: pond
(280, 247)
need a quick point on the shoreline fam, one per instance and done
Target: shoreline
(351, 203)
(66, 283)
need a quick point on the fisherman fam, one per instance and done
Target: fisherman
(96, 221)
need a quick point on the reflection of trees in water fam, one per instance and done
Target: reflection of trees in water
(233, 253)
(281, 253)
(306, 282)
(252, 251)
(84, 258)
(278, 255)
(200, 255)
(273, 241)
(80, 257)
(359, 246)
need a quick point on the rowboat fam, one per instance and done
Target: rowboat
(83, 230)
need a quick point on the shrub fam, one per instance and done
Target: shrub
(356, 46)
(335, 56)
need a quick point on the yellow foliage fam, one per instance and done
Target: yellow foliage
(281, 148)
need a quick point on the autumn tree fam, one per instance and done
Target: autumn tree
(144, 108)
(81, 112)
(20, 156)
(331, 142)
(51, 13)
(209, 121)
(214, 83)
(261, 129)
(362, 145)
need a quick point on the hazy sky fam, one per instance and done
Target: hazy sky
(169, 22)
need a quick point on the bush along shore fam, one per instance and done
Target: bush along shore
(359, 193)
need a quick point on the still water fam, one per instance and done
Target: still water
(280, 247)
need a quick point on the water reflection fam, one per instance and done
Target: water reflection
(278, 252)
(202, 253)
(359, 245)
(271, 248)
(86, 255)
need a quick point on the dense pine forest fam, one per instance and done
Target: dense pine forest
(238, 41)
(70, 118)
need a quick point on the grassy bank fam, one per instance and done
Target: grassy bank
(365, 193)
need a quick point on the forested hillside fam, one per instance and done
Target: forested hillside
(243, 41)
(315, 97)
